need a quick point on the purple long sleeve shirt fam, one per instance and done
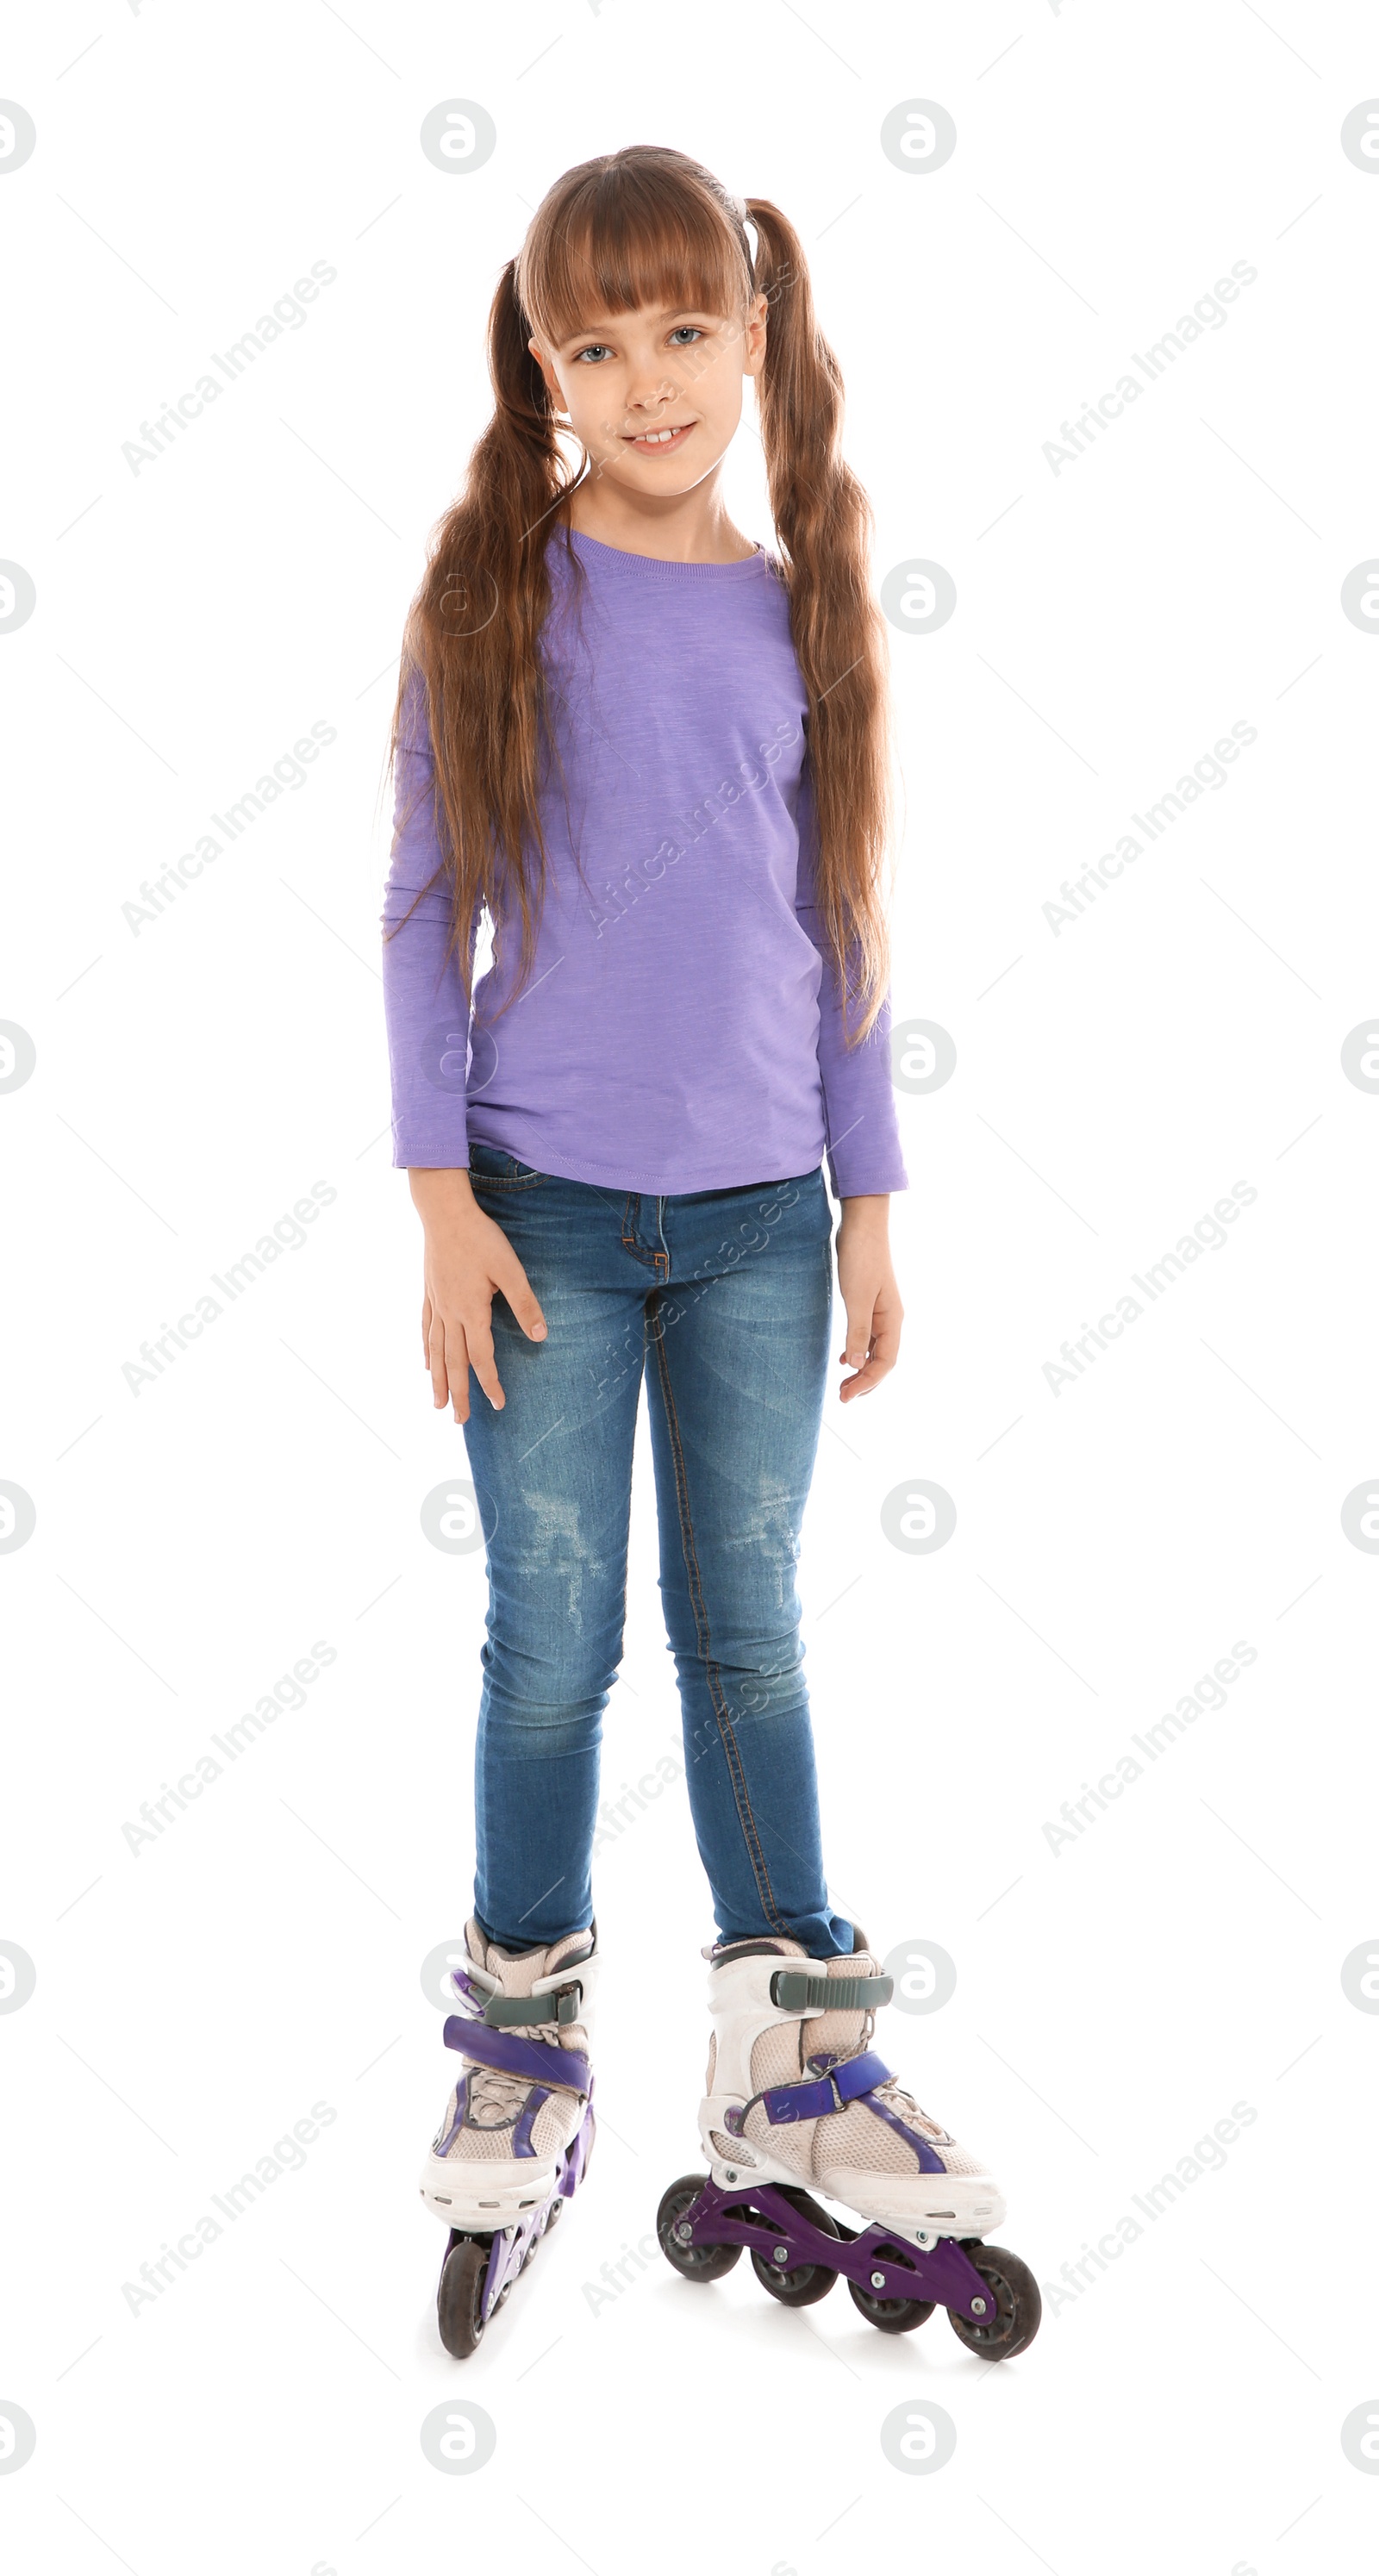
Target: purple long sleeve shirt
(681, 1028)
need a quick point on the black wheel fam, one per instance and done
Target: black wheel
(1017, 2307)
(692, 2262)
(459, 2299)
(893, 2316)
(808, 2281)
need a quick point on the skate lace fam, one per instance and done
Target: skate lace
(891, 2091)
(497, 2100)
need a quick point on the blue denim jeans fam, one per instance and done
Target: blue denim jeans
(722, 1300)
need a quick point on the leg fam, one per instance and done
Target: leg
(553, 1476)
(738, 1355)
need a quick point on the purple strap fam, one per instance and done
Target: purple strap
(447, 2137)
(789, 2102)
(468, 1990)
(930, 2161)
(521, 2136)
(531, 2059)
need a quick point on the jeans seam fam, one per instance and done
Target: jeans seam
(657, 1261)
(712, 1677)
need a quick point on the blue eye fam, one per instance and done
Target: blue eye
(597, 349)
(689, 330)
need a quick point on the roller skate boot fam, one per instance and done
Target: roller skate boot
(518, 2130)
(796, 2096)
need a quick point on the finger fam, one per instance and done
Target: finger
(426, 1332)
(517, 1288)
(478, 1334)
(862, 1384)
(859, 1332)
(436, 1361)
(457, 1369)
(885, 1347)
(878, 1366)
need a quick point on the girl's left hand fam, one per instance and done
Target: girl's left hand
(867, 1284)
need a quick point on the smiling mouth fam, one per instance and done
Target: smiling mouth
(659, 442)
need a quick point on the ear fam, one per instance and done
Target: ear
(754, 337)
(553, 385)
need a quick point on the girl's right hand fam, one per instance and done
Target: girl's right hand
(467, 1258)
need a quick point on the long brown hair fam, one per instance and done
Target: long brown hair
(632, 228)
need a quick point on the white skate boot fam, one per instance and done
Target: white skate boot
(518, 2130)
(794, 2095)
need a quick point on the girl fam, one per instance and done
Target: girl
(655, 753)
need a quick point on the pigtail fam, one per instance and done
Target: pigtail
(471, 643)
(823, 521)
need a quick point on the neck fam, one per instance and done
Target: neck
(687, 527)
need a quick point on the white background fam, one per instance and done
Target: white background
(1113, 1540)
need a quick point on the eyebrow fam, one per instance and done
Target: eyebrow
(609, 325)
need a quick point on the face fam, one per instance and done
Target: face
(656, 397)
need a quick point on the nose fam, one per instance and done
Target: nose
(650, 395)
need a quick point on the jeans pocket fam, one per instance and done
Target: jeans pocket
(491, 1167)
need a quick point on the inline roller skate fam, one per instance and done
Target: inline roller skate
(518, 2131)
(795, 2094)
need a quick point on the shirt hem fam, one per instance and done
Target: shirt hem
(567, 1167)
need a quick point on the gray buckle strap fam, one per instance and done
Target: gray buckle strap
(511, 2012)
(794, 1990)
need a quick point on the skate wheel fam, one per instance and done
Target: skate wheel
(692, 2262)
(1014, 2321)
(893, 2316)
(808, 2281)
(460, 2296)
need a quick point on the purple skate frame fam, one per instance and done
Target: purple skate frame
(514, 2246)
(884, 2264)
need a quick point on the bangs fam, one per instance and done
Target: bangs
(615, 238)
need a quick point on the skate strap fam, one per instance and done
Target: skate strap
(507, 2012)
(535, 2061)
(857, 2075)
(562, 2004)
(794, 1990)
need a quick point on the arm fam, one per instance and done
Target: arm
(467, 1258)
(864, 1156)
(866, 1282)
(423, 991)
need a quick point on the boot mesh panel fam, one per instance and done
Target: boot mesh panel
(554, 2126)
(856, 2137)
(505, 2095)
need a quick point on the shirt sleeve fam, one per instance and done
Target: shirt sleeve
(423, 994)
(860, 1124)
